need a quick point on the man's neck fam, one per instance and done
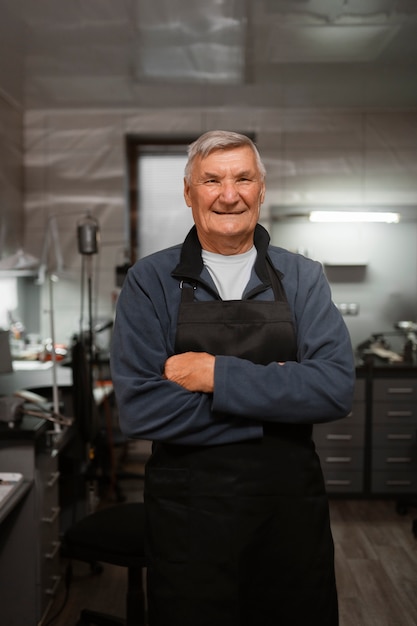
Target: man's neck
(227, 245)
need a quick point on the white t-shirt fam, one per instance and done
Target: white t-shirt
(230, 273)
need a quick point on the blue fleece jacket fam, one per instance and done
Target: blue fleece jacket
(318, 387)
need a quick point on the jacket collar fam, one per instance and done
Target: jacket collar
(191, 265)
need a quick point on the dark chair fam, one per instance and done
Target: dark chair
(403, 505)
(112, 535)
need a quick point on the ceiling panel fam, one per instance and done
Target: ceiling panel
(172, 52)
(202, 42)
(328, 44)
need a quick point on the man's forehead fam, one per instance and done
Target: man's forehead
(240, 156)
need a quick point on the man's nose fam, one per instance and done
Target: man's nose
(229, 192)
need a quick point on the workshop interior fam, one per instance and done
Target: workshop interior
(99, 101)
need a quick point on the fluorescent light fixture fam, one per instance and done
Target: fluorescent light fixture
(355, 216)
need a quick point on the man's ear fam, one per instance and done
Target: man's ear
(187, 193)
(262, 194)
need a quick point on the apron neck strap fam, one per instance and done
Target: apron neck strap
(276, 283)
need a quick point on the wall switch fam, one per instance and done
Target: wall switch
(348, 308)
(353, 308)
(343, 308)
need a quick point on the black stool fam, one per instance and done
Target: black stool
(112, 535)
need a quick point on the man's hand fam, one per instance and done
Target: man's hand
(192, 370)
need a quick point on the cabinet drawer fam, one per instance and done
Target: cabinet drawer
(393, 389)
(393, 460)
(51, 566)
(49, 494)
(359, 393)
(343, 482)
(357, 414)
(394, 482)
(46, 463)
(394, 436)
(49, 528)
(49, 591)
(343, 458)
(394, 413)
(338, 434)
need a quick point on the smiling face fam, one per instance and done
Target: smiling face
(225, 193)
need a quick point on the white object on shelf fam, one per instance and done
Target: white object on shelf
(9, 482)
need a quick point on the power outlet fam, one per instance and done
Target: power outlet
(348, 308)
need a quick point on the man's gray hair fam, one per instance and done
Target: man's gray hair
(218, 140)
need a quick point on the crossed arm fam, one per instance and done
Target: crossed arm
(192, 370)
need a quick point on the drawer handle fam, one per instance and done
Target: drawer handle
(399, 459)
(55, 512)
(54, 477)
(338, 482)
(55, 545)
(339, 459)
(398, 483)
(331, 437)
(395, 390)
(399, 413)
(51, 591)
(400, 437)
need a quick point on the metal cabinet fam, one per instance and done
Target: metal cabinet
(30, 567)
(394, 436)
(39, 517)
(47, 495)
(341, 447)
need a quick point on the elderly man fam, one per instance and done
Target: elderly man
(226, 350)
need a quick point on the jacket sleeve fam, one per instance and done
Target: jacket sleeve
(149, 406)
(319, 386)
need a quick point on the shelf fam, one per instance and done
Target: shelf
(345, 263)
(18, 273)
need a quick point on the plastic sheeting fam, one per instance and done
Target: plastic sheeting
(132, 52)
(75, 163)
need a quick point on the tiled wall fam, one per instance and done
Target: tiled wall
(11, 177)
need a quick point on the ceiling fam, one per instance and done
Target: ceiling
(306, 53)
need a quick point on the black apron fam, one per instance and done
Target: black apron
(239, 534)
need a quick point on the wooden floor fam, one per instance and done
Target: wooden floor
(376, 563)
(376, 568)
